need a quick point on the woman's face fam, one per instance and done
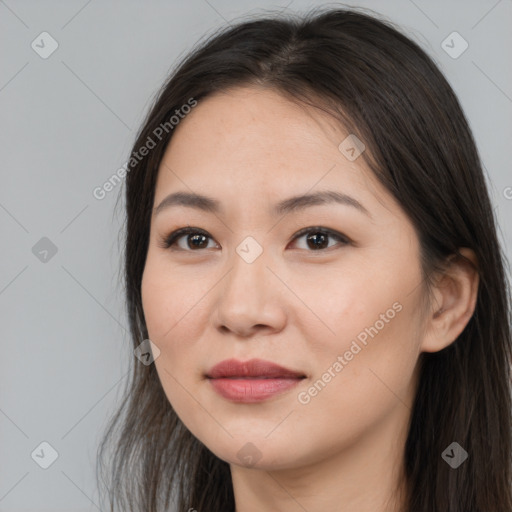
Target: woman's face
(342, 314)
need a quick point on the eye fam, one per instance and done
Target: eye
(317, 237)
(197, 238)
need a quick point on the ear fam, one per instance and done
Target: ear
(454, 301)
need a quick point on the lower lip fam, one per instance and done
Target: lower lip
(252, 390)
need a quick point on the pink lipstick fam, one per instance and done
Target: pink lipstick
(251, 381)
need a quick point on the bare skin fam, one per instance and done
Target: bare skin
(339, 447)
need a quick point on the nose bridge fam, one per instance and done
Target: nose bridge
(246, 300)
(248, 275)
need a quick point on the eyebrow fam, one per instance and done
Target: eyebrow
(292, 204)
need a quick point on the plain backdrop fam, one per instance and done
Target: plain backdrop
(68, 120)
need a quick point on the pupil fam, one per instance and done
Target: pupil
(195, 239)
(315, 237)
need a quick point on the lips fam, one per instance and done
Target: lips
(251, 381)
(254, 368)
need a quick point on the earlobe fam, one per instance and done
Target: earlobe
(454, 303)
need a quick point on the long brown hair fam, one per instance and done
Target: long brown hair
(385, 89)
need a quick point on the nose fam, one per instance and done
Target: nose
(251, 299)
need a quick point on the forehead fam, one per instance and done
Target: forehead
(261, 144)
(248, 120)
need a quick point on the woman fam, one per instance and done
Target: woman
(283, 372)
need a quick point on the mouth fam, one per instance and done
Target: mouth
(251, 381)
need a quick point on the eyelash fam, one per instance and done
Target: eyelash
(168, 241)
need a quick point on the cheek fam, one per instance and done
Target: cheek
(167, 299)
(372, 382)
(369, 297)
(349, 308)
(369, 353)
(373, 360)
(174, 314)
(165, 312)
(154, 298)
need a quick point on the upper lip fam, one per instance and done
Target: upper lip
(252, 368)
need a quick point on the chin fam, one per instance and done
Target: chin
(256, 451)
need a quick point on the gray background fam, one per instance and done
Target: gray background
(67, 124)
